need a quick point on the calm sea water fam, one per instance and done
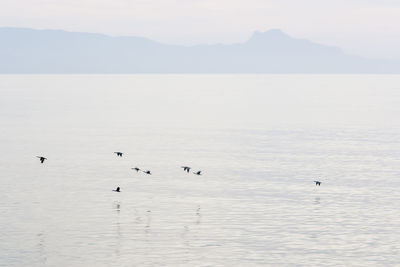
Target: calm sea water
(260, 140)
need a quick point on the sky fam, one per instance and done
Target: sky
(363, 27)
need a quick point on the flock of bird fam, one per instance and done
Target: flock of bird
(119, 154)
(185, 168)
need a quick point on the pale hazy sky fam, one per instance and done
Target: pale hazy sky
(364, 27)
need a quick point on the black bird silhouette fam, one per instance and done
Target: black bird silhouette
(147, 172)
(317, 183)
(186, 168)
(117, 190)
(136, 169)
(119, 154)
(197, 173)
(42, 159)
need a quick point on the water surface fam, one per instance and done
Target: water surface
(260, 140)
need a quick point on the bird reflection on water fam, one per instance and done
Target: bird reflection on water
(198, 215)
(117, 206)
(42, 249)
(148, 221)
(117, 225)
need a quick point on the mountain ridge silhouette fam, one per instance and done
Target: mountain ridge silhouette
(24, 50)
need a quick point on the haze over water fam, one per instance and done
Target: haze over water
(261, 141)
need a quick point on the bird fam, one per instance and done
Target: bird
(197, 173)
(147, 172)
(136, 169)
(117, 190)
(42, 159)
(317, 183)
(119, 154)
(186, 168)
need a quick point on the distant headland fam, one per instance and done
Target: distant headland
(25, 50)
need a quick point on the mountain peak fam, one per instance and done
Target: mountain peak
(273, 34)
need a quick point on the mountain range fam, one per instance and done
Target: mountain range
(25, 50)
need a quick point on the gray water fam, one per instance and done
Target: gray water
(260, 140)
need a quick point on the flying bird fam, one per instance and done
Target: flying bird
(197, 173)
(317, 183)
(119, 154)
(186, 168)
(42, 159)
(117, 190)
(147, 172)
(136, 169)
